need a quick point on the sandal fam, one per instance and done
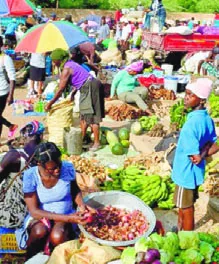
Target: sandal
(12, 131)
(34, 92)
(95, 148)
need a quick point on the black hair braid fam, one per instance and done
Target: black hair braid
(47, 151)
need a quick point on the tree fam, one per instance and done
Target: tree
(71, 4)
(209, 6)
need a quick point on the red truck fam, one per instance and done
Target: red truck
(172, 47)
(176, 42)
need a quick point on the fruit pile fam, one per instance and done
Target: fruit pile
(148, 122)
(152, 189)
(154, 163)
(119, 143)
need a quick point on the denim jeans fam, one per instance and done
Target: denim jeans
(161, 22)
(147, 22)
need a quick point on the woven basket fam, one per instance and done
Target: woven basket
(58, 118)
(18, 64)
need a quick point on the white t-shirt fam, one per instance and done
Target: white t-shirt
(126, 30)
(38, 60)
(7, 63)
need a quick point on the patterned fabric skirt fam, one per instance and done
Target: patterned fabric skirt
(12, 206)
(211, 70)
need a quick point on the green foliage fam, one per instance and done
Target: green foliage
(45, 4)
(171, 6)
(71, 4)
(178, 114)
(214, 105)
(207, 6)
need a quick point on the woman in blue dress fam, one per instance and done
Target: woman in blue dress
(50, 190)
(156, 9)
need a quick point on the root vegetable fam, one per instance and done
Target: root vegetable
(111, 223)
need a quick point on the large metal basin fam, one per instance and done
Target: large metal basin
(120, 200)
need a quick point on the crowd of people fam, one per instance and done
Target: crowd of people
(43, 208)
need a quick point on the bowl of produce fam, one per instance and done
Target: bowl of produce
(120, 219)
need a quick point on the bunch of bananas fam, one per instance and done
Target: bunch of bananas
(151, 189)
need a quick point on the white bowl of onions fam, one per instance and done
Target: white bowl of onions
(121, 218)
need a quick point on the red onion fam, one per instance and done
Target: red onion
(111, 223)
(156, 261)
(151, 255)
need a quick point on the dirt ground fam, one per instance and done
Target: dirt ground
(203, 220)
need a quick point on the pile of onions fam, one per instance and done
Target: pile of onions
(114, 224)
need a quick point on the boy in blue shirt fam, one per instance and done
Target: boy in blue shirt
(197, 140)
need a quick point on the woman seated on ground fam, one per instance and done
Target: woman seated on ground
(12, 206)
(91, 103)
(210, 66)
(49, 191)
(127, 88)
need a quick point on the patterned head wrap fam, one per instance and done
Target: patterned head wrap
(32, 128)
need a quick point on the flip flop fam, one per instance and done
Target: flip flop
(12, 132)
(95, 148)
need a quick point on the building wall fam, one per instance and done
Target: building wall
(78, 14)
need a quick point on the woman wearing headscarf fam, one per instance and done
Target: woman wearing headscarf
(12, 205)
(127, 88)
(91, 103)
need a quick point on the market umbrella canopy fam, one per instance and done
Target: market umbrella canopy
(16, 7)
(50, 36)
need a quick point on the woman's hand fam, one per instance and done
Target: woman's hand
(10, 99)
(196, 159)
(48, 106)
(78, 218)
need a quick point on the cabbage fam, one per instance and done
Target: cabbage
(191, 256)
(209, 238)
(171, 244)
(164, 256)
(136, 128)
(178, 260)
(157, 239)
(188, 240)
(143, 244)
(207, 251)
(128, 255)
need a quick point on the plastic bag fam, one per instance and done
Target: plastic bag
(88, 252)
(73, 140)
